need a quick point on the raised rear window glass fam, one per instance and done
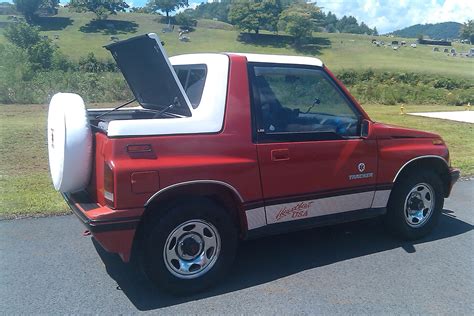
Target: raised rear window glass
(192, 78)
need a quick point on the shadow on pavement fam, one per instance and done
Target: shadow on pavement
(271, 258)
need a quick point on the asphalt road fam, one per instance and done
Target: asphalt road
(47, 267)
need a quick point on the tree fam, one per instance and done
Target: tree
(331, 18)
(467, 31)
(299, 20)
(212, 10)
(240, 15)
(255, 15)
(166, 6)
(347, 24)
(41, 54)
(26, 37)
(185, 20)
(140, 10)
(329, 22)
(364, 29)
(29, 8)
(375, 32)
(22, 35)
(102, 8)
(7, 8)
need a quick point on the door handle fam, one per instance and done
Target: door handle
(280, 154)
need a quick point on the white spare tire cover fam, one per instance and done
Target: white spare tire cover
(69, 142)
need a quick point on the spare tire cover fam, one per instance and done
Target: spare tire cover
(69, 142)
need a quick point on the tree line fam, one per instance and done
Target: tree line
(227, 10)
(296, 17)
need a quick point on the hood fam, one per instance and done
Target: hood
(148, 72)
(382, 130)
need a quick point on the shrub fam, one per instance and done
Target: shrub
(92, 87)
(348, 77)
(61, 62)
(41, 55)
(90, 63)
(447, 83)
(15, 69)
(392, 88)
(367, 75)
(39, 50)
(22, 35)
(185, 20)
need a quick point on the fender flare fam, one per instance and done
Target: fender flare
(180, 184)
(411, 161)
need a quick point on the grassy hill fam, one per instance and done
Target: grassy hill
(25, 185)
(440, 31)
(77, 34)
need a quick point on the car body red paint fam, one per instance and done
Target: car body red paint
(242, 174)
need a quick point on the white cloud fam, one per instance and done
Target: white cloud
(390, 15)
(192, 5)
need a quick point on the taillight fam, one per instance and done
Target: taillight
(109, 185)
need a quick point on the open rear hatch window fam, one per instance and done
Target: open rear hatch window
(148, 72)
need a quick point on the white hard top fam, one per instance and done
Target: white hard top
(281, 59)
(208, 117)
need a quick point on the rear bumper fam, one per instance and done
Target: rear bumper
(454, 176)
(113, 229)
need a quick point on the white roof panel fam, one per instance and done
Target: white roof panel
(281, 59)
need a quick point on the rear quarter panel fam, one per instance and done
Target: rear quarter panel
(228, 156)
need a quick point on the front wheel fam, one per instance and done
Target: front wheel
(190, 247)
(415, 205)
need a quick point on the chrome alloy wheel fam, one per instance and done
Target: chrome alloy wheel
(419, 205)
(192, 249)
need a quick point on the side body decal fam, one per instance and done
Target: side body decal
(256, 218)
(319, 207)
(381, 198)
(328, 204)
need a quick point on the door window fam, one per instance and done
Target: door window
(299, 103)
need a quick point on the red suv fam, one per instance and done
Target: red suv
(223, 147)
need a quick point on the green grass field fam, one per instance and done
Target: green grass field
(26, 188)
(339, 51)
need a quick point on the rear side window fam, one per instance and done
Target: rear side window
(192, 78)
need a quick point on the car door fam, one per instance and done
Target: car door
(313, 163)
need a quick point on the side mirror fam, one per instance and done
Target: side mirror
(364, 128)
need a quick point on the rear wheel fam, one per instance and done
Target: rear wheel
(190, 247)
(415, 205)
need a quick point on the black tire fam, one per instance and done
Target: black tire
(165, 225)
(397, 219)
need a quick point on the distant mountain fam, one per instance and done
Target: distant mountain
(445, 30)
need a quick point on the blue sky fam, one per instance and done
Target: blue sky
(386, 15)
